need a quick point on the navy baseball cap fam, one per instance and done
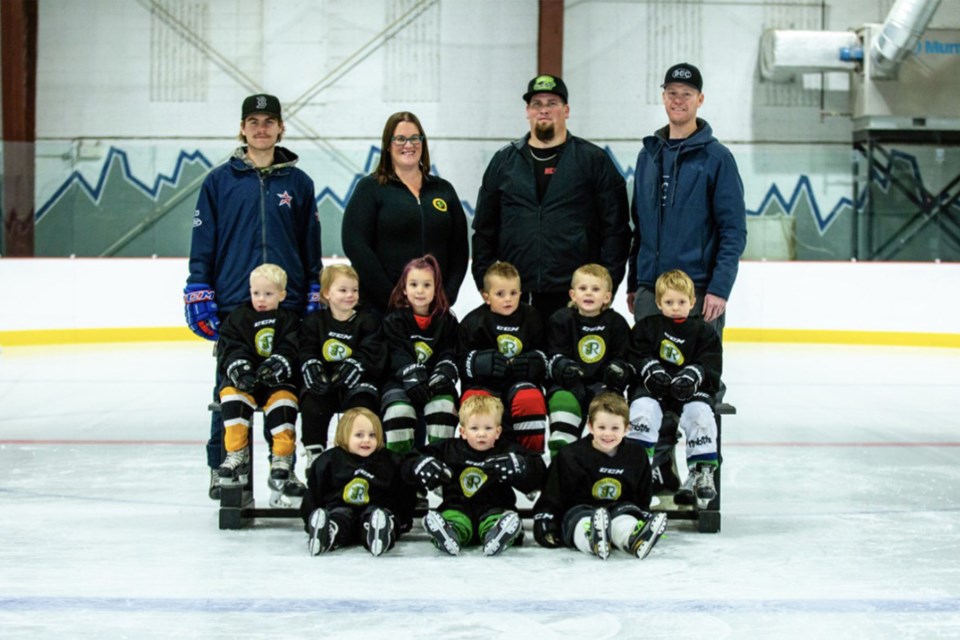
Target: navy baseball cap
(260, 103)
(684, 73)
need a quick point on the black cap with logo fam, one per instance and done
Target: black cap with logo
(684, 73)
(260, 103)
(546, 84)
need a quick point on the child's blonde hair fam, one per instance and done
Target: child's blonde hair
(596, 271)
(676, 280)
(609, 402)
(502, 270)
(272, 272)
(331, 273)
(345, 426)
(481, 405)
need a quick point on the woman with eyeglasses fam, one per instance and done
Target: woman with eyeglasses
(401, 212)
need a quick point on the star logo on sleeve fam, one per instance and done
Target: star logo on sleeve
(285, 199)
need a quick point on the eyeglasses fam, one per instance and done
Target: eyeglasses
(402, 140)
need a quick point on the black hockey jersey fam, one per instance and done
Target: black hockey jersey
(251, 335)
(339, 478)
(581, 474)
(471, 489)
(590, 342)
(520, 332)
(677, 344)
(409, 344)
(332, 341)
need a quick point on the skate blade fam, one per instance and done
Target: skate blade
(279, 501)
(500, 541)
(659, 526)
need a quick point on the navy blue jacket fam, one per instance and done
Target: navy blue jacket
(246, 217)
(701, 227)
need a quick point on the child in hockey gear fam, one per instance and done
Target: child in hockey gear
(343, 354)
(256, 355)
(598, 490)
(587, 344)
(355, 493)
(499, 351)
(478, 473)
(678, 359)
(421, 339)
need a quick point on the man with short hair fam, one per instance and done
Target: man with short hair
(550, 202)
(688, 210)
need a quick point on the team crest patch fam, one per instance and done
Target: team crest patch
(357, 492)
(423, 351)
(335, 351)
(264, 341)
(544, 83)
(671, 352)
(471, 479)
(607, 489)
(591, 348)
(509, 345)
(440, 205)
(285, 199)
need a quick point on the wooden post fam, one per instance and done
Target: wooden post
(550, 41)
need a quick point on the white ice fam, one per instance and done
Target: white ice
(841, 518)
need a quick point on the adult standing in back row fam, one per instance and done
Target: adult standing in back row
(549, 203)
(688, 211)
(401, 212)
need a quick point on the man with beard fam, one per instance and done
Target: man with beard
(548, 228)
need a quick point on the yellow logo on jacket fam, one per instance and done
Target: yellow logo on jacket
(357, 492)
(440, 205)
(509, 345)
(334, 350)
(670, 352)
(471, 479)
(264, 341)
(607, 489)
(423, 351)
(591, 348)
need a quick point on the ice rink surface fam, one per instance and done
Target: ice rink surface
(841, 518)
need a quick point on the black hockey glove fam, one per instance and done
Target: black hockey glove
(443, 381)
(546, 531)
(571, 377)
(431, 472)
(656, 379)
(348, 375)
(686, 383)
(529, 367)
(315, 377)
(242, 375)
(507, 467)
(274, 370)
(488, 363)
(415, 383)
(616, 375)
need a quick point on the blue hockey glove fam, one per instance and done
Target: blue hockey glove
(200, 310)
(314, 302)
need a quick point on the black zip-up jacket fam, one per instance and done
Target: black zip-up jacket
(385, 227)
(248, 334)
(584, 216)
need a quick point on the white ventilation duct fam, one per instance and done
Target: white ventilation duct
(901, 31)
(784, 54)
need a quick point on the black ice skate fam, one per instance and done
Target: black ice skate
(323, 531)
(442, 533)
(235, 468)
(380, 531)
(501, 535)
(646, 534)
(599, 534)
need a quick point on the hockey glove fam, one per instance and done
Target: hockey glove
(315, 377)
(571, 375)
(274, 370)
(616, 375)
(415, 383)
(488, 363)
(546, 531)
(348, 375)
(242, 375)
(200, 310)
(506, 467)
(656, 379)
(686, 383)
(443, 381)
(314, 302)
(431, 472)
(529, 367)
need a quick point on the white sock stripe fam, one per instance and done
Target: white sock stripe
(237, 397)
(395, 411)
(282, 403)
(565, 417)
(236, 422)
(286, 426)
(530, 425)
(440, 431)
(563, 437)
(439, 406)
(399, 435)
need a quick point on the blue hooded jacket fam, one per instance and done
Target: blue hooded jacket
(700, 226)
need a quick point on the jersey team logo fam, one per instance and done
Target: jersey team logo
(510, 346)
(285, 199)
(471, 479)
(671, 352)
(440, 205)
(423, 351)
(335, 351)
(264, 341)
(357, 492)
(607, 489)
(591, 348)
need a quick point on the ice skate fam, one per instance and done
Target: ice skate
(379, 528)
(705, 490)
(684, 496)
(323, 531)
(235, 468)
(214, 490)
(646, 534)
(501, 535)
(442, 533)
(599, 534)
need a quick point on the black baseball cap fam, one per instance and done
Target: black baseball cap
(684, 73)
(546, 84)
(260, 103)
